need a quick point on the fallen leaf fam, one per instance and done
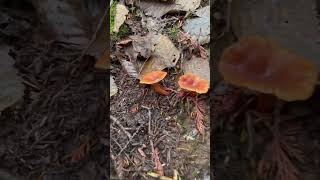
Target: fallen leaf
(279, 21)
(197, 66)
(199, 116)
(158, 9)
(189, 42)
(12, 89)
(113, 87)
(130, 68)
(199, 27)
(158, 50)
(120, 17)
(165, 55)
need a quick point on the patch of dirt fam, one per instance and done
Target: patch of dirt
(58, 130)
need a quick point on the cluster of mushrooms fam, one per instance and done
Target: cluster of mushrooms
(187, 81)
(257, 64)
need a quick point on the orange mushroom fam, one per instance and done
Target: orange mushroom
(192, 82)
(258, 64)
(153, 77)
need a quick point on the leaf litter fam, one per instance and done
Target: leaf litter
(56, 128)
(156, 116)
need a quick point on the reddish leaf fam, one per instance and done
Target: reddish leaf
(199, 116)
(156, 161)
(185, 40)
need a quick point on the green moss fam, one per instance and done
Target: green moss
(112, 14)
(173, 32)
(124, 31)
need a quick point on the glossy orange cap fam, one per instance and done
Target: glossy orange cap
(192, 82)
(153, 77)
(258, 64)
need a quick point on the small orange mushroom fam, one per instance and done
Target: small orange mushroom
(153, 77)
(192, 82)
(258, 64)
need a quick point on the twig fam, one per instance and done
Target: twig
(134, 134)
(114, 119)
(149, 128)
(149, 121)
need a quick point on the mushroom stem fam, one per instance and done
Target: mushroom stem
(160, 89)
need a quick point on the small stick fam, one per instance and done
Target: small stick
(134, 134)
(114, 119)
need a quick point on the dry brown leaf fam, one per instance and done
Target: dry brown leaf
(197, 66)
(186, 41)
(120, 17)
(159, 51)
(165, 55)
(158, 9)
(199, 114)
(130, 68)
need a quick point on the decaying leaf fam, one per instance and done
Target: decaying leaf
(190, 43)
(199, 27)
(11, 86)
(197, 66)
(120, 17)
(113, 87)
(156, 161)
(158, 50)
(199, 116)
(279, 21)
(165, 55)
(158, 9)
(130, 68)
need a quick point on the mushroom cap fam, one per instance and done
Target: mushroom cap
(192, 82)
(260, 65)
(153, 77)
